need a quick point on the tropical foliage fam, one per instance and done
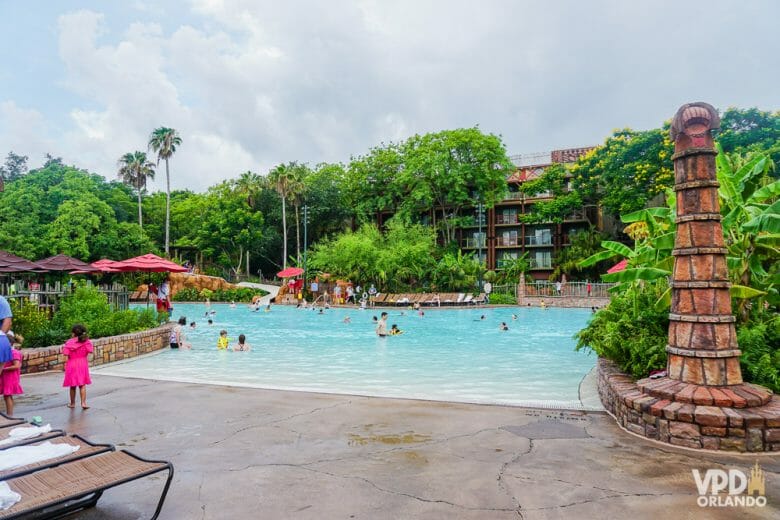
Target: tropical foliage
(749, 204)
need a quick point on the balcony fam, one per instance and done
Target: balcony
(473, 243)
(514, 195)
(576, 216)
(540, 263)
(507, 219)
(545, 240)
(502, 263)
(510, 241)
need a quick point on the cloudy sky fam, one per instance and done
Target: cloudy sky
(250, 83)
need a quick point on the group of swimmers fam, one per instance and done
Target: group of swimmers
(178, 339)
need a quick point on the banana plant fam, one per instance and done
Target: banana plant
(751, 224)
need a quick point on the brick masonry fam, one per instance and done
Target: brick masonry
(687, 424)
(107, 350)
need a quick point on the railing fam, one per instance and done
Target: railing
(538, 241)
(540, 264)
(514, 195)
(48, 296)
(508, 241)
(574, 289)
(507, 219)
(473, 242)
(509, 289)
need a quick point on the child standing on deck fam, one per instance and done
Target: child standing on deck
(10, 380)
(77, 348)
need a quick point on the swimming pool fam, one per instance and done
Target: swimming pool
(446, 355)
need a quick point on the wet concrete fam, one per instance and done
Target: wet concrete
(248, 453)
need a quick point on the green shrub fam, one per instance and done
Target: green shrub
(241, 294)
(631, 330)
(90, 307)
(187, 294)
(28, 320)
(760, 345)
(46, 337)
(503, 299)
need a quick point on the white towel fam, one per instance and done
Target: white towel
(8, 497)
(23, 455)
(25, 432)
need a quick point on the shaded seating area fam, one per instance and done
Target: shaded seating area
(75, 480)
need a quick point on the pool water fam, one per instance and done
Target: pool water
(446, 355)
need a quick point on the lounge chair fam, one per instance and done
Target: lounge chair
(86, 449)
(52, 492)
(5, 434)
(468, 299)
(479, 300)
(5, 420)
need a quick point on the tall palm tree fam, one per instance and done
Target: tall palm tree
(134, 170)
(296, 189)
(281, 178)
(163, 142)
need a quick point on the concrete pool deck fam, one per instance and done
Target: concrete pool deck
(251, 453)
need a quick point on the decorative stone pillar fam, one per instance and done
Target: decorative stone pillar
(702, 349)
(702, 402)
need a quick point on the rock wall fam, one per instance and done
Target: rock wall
(198, 281)
(685, 423)
(179, 281)
(107, 350)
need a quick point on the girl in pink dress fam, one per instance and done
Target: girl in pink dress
(77, 349)
(10, 380)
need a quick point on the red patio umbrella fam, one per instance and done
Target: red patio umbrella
(16, 264)
(290, 272)
(106, 265)
(620, 266)
(148, 263)
(65, 263)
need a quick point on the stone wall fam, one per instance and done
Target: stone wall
(107, 350)
(687, 424)
(563, 301)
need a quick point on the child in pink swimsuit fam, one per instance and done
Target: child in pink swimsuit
(10, 380)
(77, 349)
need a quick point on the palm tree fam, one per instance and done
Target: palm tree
(281, 178)
(296, 189)
(249, 184)
(134, 170)
(163, 142)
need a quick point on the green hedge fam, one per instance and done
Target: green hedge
(503, 299)
(87, 306)
(242, 294)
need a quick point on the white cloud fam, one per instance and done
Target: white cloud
(250, 84)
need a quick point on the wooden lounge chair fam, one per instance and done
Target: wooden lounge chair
(4, 434)
(52, 492)
(468, 299)
(479, 300)
(5, 420)
(86, 449)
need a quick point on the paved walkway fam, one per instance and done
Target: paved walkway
(248, 453)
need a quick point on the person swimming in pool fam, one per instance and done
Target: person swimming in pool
(503, 326)
(394, 330)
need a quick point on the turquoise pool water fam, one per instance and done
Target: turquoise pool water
(447, 355)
